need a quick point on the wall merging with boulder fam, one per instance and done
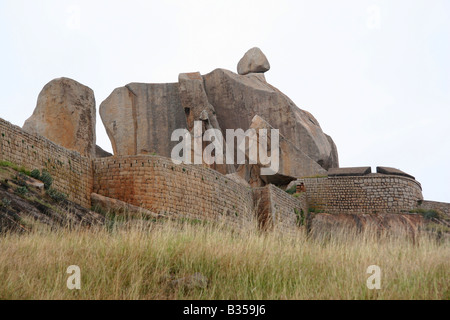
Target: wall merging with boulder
(151, 182)
(72, 173)
(199, 192)
(279, 210)
(140, 119)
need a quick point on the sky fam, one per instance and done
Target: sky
(374, 73)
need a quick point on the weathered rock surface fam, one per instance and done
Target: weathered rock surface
(237, 99)
(237, 178)
(65, 114)
(100, 153)
(23, 214)
(293, 163)
(195, 102)
(254, 61)
(120, 207)
(197, 108)
(333, 160)
(140, 118)
(323, 224)
(353, 171)
(393, 171)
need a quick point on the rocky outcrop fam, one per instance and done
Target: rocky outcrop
(254, 61)
(121, 208)
(348, 225)
(195, 102)
(292, 161)
(237, 99)
(140, 118)
(197, 108)
(100, 153)
(333, 160)
(65, 114)
(36, 210)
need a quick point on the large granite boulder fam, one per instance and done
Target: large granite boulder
(237, 99)
(65, 114)
(100, 153)
(140, 118)
(254, 61)
(197, 108)
(292, 161)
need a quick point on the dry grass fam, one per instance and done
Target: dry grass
(137, 262)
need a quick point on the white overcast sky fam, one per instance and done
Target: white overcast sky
(375, 74)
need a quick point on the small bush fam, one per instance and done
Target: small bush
(292, 190)
(428, 213)
(21, 191)
(56, 195)
(21, 179)
(300, 217)
(5, 203)
(36, 174)
(47, 179)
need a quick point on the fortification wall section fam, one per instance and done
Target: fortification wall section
(438, 206)
(373, 193)
(286, 209)
(188, 191)
(71, 172)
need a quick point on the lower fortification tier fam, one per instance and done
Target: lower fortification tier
(189, 191)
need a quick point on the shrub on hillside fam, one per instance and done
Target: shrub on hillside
(36, 174)
(23, 190)
(56, 195)
(47, 179)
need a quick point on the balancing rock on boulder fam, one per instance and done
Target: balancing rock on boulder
(254, 61)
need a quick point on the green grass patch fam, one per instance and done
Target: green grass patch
(15, 167)
(428, 213)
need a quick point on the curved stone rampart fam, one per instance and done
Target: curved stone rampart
(372, 193)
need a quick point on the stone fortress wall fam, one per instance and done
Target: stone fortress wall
(139, 119)
(198, 192)
(151, 182)
(71, 172)
(372, 193)
(189, 191)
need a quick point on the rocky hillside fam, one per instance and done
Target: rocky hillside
(27, 203)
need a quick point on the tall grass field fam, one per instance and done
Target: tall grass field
(141, 261)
